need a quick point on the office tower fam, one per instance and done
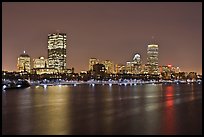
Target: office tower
(134, 67)
(152, 59)
(109, 66)
(129, 67)
(57, 43)
(41, 62)
(92, 61)
(137, 63)
(23, 63)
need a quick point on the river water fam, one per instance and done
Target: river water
(103, 109)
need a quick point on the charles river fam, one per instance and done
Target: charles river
(103, 109)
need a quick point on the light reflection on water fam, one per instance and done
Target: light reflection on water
(103, 109)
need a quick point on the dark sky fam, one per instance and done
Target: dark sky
(114, 31)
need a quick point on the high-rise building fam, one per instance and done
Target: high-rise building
(92, 61)
(129, 67)
(152, 59)
(137, 63)
(134, 67)
(23, 63)
(57, 43)
(109, 66)
(41, 62)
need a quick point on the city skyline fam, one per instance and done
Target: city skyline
(109, 33)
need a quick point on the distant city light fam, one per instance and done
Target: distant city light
(169, 65)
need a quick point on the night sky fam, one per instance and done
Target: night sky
(113, 31)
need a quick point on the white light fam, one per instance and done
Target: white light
(18, 85)
(93, 84)
(4, 86)
(45, 86)
(75, 84)
(110, 84)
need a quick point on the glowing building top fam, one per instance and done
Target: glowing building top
(23, 63)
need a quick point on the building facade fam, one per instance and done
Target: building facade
(152, 59)
(57, 44)
(41, 62)
(120, 69)
(99, 71)
(92, 61)
(23, 63)
(109, 66)
(134, 67)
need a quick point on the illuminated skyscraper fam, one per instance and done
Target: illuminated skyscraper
(92, 61)
(23, 62)
(57, 43)
(134, 67)
(109, 66)
(129, 67)
(137, 58)
(137, 64)
(41, 62)
(152, 59)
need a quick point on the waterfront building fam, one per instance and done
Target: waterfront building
(40, 62)
(57, 44)
(99, 71)
(120, 69)
(144, 69)
(92, 61)
(41, 71)
(152, 59)
(23, 63)
(109, 66)
(169, 69)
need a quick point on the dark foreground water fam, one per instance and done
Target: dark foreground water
(103, 109)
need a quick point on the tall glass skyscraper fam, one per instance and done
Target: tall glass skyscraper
(152, 59)
(57, 43)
